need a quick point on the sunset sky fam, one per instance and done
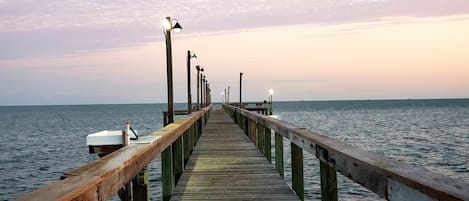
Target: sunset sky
(98, 52)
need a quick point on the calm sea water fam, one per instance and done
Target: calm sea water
(40, 143)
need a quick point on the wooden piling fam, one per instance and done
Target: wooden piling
(141, 186)
(267, 144)
(328, 183)
(167, 178)
(125, 193)
(260, 137)
(279, 154)
(178, 159)
(297, 170)
(186, 145)
(251, 130)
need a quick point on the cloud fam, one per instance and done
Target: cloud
(51, 27)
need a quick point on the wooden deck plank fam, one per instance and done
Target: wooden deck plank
(225, 165)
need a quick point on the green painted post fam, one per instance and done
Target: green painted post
(167, 177)
(297, 171)
(201, 129)
(190, 139)
(279, 154)
(260, 137)
(140, 186)
(186, 145)
(178, 159)
(240, 121)
(267, 144)
(328, 183)
(246, 120)
(194, 135)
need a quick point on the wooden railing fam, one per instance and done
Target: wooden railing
(388, 178)
(103, 178)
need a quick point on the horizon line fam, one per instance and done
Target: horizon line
(218, 102)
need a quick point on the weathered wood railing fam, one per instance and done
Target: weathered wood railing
(101, 179)
(388, 178)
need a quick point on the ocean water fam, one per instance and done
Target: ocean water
(40, 143)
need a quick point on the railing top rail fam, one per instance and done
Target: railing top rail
(102, 178)
(388, 178)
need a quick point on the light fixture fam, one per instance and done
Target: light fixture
(167, 24)
(271, 92)
(177, 27)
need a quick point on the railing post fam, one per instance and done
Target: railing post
(201, 129)
(240, 122)
(167, 177)
(251, 130)
(328, 183)
(194, 135)
(178, 158)
(125, 193)
(297, 171)
(260, 137)
(245, 122)
(279, 154)
(140, 186)
(186, 145)
(267, 144)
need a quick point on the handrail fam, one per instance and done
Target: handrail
(102, 178)
(388, 178)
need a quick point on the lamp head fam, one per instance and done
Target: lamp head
(177, 27)
(197, 67)
(167, 24)
(271, 92)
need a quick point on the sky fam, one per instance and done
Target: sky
(105, 52)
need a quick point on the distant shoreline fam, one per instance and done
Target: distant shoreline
(279, 101)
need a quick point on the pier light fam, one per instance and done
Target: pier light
(167, 24)
(199, 80)
(190, 55)
(271, 93)
(240, 89)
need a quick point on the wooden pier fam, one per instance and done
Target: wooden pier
(232, 161)
(226, 165)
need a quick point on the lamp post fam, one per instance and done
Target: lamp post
(228, 98)
(271, 93)
(189, 95)
(202, 91)
(167, 155)
(207, 93)
(240, 89)
(167, 27)
(199, 69)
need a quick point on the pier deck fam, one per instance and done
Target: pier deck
(226, 165)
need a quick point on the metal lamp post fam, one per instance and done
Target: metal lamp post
(240, 89)
(189, 95)
(199, 69)
(167, 155)
(271, 93)
(167, 27)
(228, 96)
(202, 91)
